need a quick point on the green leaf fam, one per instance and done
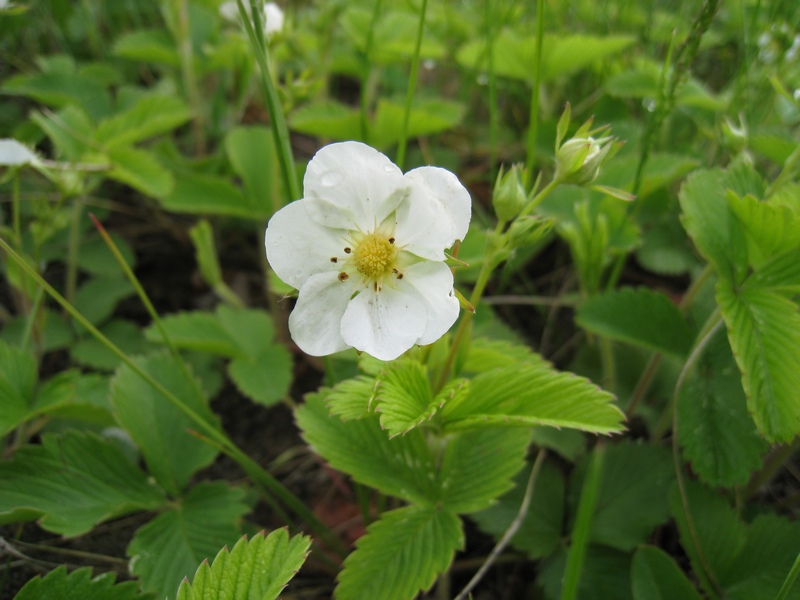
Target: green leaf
(525, 395)
(60, 89)
(485, 355)
(758, 571)
(147, 46)
(326, 119)
(17, 381)
(198, 330)
(716, 232)
(206, 194)
(769, 229)
(95, 257)
(70, 129)
(171, 547)
(97, 298)
(720, 533)
(541, 530)
(140, 170)
(401, 554)
(716, 432)
(126, 335)
(764, 334)
(159, 428)
(631, 501)
(79, 584)
(427, 117)
(405, 399)
(655, 576)
(72, 482)
(254, 570)
(780, 274)
(251, 151)
(152, 115)
(605, 575)
(353, 398)
(637, 316)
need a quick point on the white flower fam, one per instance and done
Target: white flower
(272, 15)
(365, 249)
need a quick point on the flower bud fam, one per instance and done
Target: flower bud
(578, 160)
(528, 230)
(508, 197)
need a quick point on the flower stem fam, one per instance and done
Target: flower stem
(533, 120)
(280, 131)
(789, 581)
(412, 84)
(365, 73)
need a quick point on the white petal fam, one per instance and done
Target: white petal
(431, 283)
(315, 322)
(435, 214)
(13, 153)
(273, 19)
(383, 324)
(349, 185)
(298, 247)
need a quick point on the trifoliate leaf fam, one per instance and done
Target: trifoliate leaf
(637, 316)
(717, 435)
(79, 584)
(172, 546)
(764, 334)
(656, 576)
(254, 570)
(353, 398)
(536, 394)
(401, 554)
(404, 397)
(72, 482)
(160, 429)
(541, 530)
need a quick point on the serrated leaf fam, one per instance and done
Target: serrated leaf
(719, 532)
(140, 170)
(764, 334)
(171, 547)
(352, 398)
(254, 570)
(630, 501)
(404, 397)
(715, 231)
(152, 115)
(779, 274)
(526, 395)
(769, 229)
(485, 355)
(159, 428)
(717, 434)
(198, 330)
(80, 584)
(656, 576)
(401, 554)
(637, 316)
(72, 482)
(127, 336)
(17, 380)
(541, 530)
(196, 194)
(251, 151)
(97, 298)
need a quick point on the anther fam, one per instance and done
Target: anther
(334, 259)
(347, 250)
(391, 240)
(343, 276)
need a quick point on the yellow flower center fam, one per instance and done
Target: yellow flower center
(374, 255)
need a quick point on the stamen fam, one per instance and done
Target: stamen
(334, 259)
(343, 276)
(347, 250)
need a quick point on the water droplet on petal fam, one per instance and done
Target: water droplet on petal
(331, 178)
(389, 168)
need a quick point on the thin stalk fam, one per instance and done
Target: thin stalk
(512, 528)
(279, 129)
(533, 120)
(493, 113)
(713, 325)
(412, 84)
(789, 581)
(583, 523)
(32, 316)
(186, 54)
(365, 73)
(253, 469)
(537, 199)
